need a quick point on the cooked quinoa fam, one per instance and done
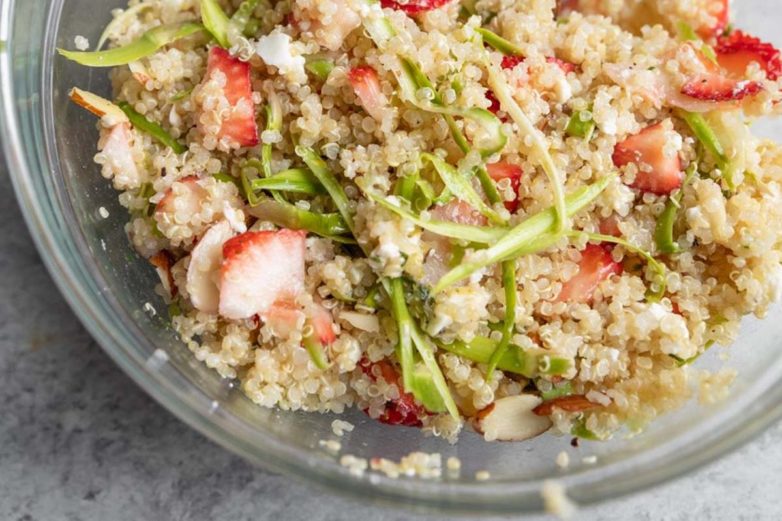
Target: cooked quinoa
(335, 194)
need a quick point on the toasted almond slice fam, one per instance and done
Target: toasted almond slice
(511, 419)
(101, 107)
(363, 321)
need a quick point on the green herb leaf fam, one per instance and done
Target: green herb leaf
(557, 391)
(146, 45)
(315, 349)
(460, 186)
(663, 233)
(329, 181)
(509, 324)
(216, 21)
(580, 125)
(287, 215)
(240, 20)
(296, 180)
(465, 232)
(319, 67)
(540, 228)
(153, 129)
(526, 362)
(499, 43)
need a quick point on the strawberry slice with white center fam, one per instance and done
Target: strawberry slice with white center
(323, 325)
(284, 317)
(239, 124)
(509, 62)
(203, 272)
(658, 172)
(118, 150)
(413, 7)
(504, 170)
(184, 197)
(736, 51)
(718, 88)
(366, 84)
(259, 269)
(720, 10)
(595, 266)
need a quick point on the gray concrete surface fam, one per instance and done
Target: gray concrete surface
(80, 442)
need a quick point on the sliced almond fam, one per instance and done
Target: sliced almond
(512, 419)
(101, 107)
(362, 321)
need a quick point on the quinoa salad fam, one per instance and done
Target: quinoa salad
(511, 216)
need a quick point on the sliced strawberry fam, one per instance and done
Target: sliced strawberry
(720, 9)
(459, 212)
(323, 325)
(239, 125)
(162, 261)
(718, 87)
(185, 195)
(117, 148)
(259, 269)
(402, 411)
(204, 268)
(509, 62)
(596, 265)
(658, 173)
(504, 170)
(366, 84)
(610, 226)
(283, 317)
(736, 51)
(413, 7)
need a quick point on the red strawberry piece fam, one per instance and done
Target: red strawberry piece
(283, 317)
(737, 50)
(162, 261)
(658, 173)
(402, 411)
(205, 260)
(413, 7)
(717, 87)
(504, 170)
(610, 226)
(720, 9)
(366, 84)
(239, 125)
(259, 269)
(494, 103)
(509, 62)
(323, 325)
(188, 193)
(596, 265)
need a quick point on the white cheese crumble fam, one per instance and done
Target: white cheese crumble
(275, 49)
(81, 43)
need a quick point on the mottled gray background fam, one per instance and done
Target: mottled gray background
(80, 442)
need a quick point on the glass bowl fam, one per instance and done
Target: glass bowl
(49, 144)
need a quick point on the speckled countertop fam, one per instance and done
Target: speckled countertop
(80, 442)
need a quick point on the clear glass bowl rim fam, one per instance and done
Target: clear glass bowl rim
(69, 265)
